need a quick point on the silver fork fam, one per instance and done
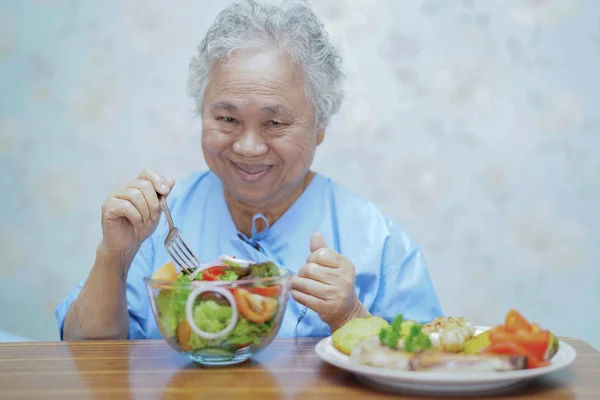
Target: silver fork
(176, 246)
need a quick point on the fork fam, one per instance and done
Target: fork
(176, 246)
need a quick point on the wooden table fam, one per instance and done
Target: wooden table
(285, 370)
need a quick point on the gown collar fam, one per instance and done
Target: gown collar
(277, 230)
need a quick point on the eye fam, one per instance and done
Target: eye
(274, 123)
(227, 119)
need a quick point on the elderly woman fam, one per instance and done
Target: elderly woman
(266, 81)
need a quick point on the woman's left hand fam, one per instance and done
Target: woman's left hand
(325, 284)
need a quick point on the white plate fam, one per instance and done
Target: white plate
(439, 383)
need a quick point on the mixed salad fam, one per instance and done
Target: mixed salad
(256, 306)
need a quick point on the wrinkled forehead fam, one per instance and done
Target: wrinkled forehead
(267, 78)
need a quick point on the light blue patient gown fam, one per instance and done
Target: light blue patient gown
(391, 277)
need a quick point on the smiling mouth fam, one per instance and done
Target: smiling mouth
(251, 171)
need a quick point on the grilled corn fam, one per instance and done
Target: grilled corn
(449, 334)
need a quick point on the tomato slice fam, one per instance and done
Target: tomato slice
(515, 322)
(518, 337)
(508, 349)
(499, 333)
(536, 343)
(213, 273)
(513, 348)
(267, 291)
(254, 307)
(505, 348)
(535, 328)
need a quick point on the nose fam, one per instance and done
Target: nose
(250, 144)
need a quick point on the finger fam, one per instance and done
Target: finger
(161, 185)
(314, 288)
(150, 195)
(326, 257)
(317, 241)
(118, 208)
(309, 301)
(316, 272)
(136, 197)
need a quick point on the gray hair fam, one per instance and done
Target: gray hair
(294, 28)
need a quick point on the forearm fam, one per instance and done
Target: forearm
(100, 311)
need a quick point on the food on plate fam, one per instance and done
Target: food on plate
(405, 335)
(477, 343)
(517, 336)
(448, 344)
(373, 352)
(448, 362)
(449, 333)
(406, 345)
(553, 346)
(257, 305)
(445, 333)
(347, 337)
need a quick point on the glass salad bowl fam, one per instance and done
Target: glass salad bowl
(222, 313)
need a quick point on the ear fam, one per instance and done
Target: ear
(320, 135)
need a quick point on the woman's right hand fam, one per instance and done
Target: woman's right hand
(131, 213)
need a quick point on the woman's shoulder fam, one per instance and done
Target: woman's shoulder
(365, 233)
(354, 207)
(195, 184)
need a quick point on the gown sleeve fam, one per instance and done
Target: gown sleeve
(405, 286)
(137, 302)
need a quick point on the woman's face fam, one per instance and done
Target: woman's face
(259, 134)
